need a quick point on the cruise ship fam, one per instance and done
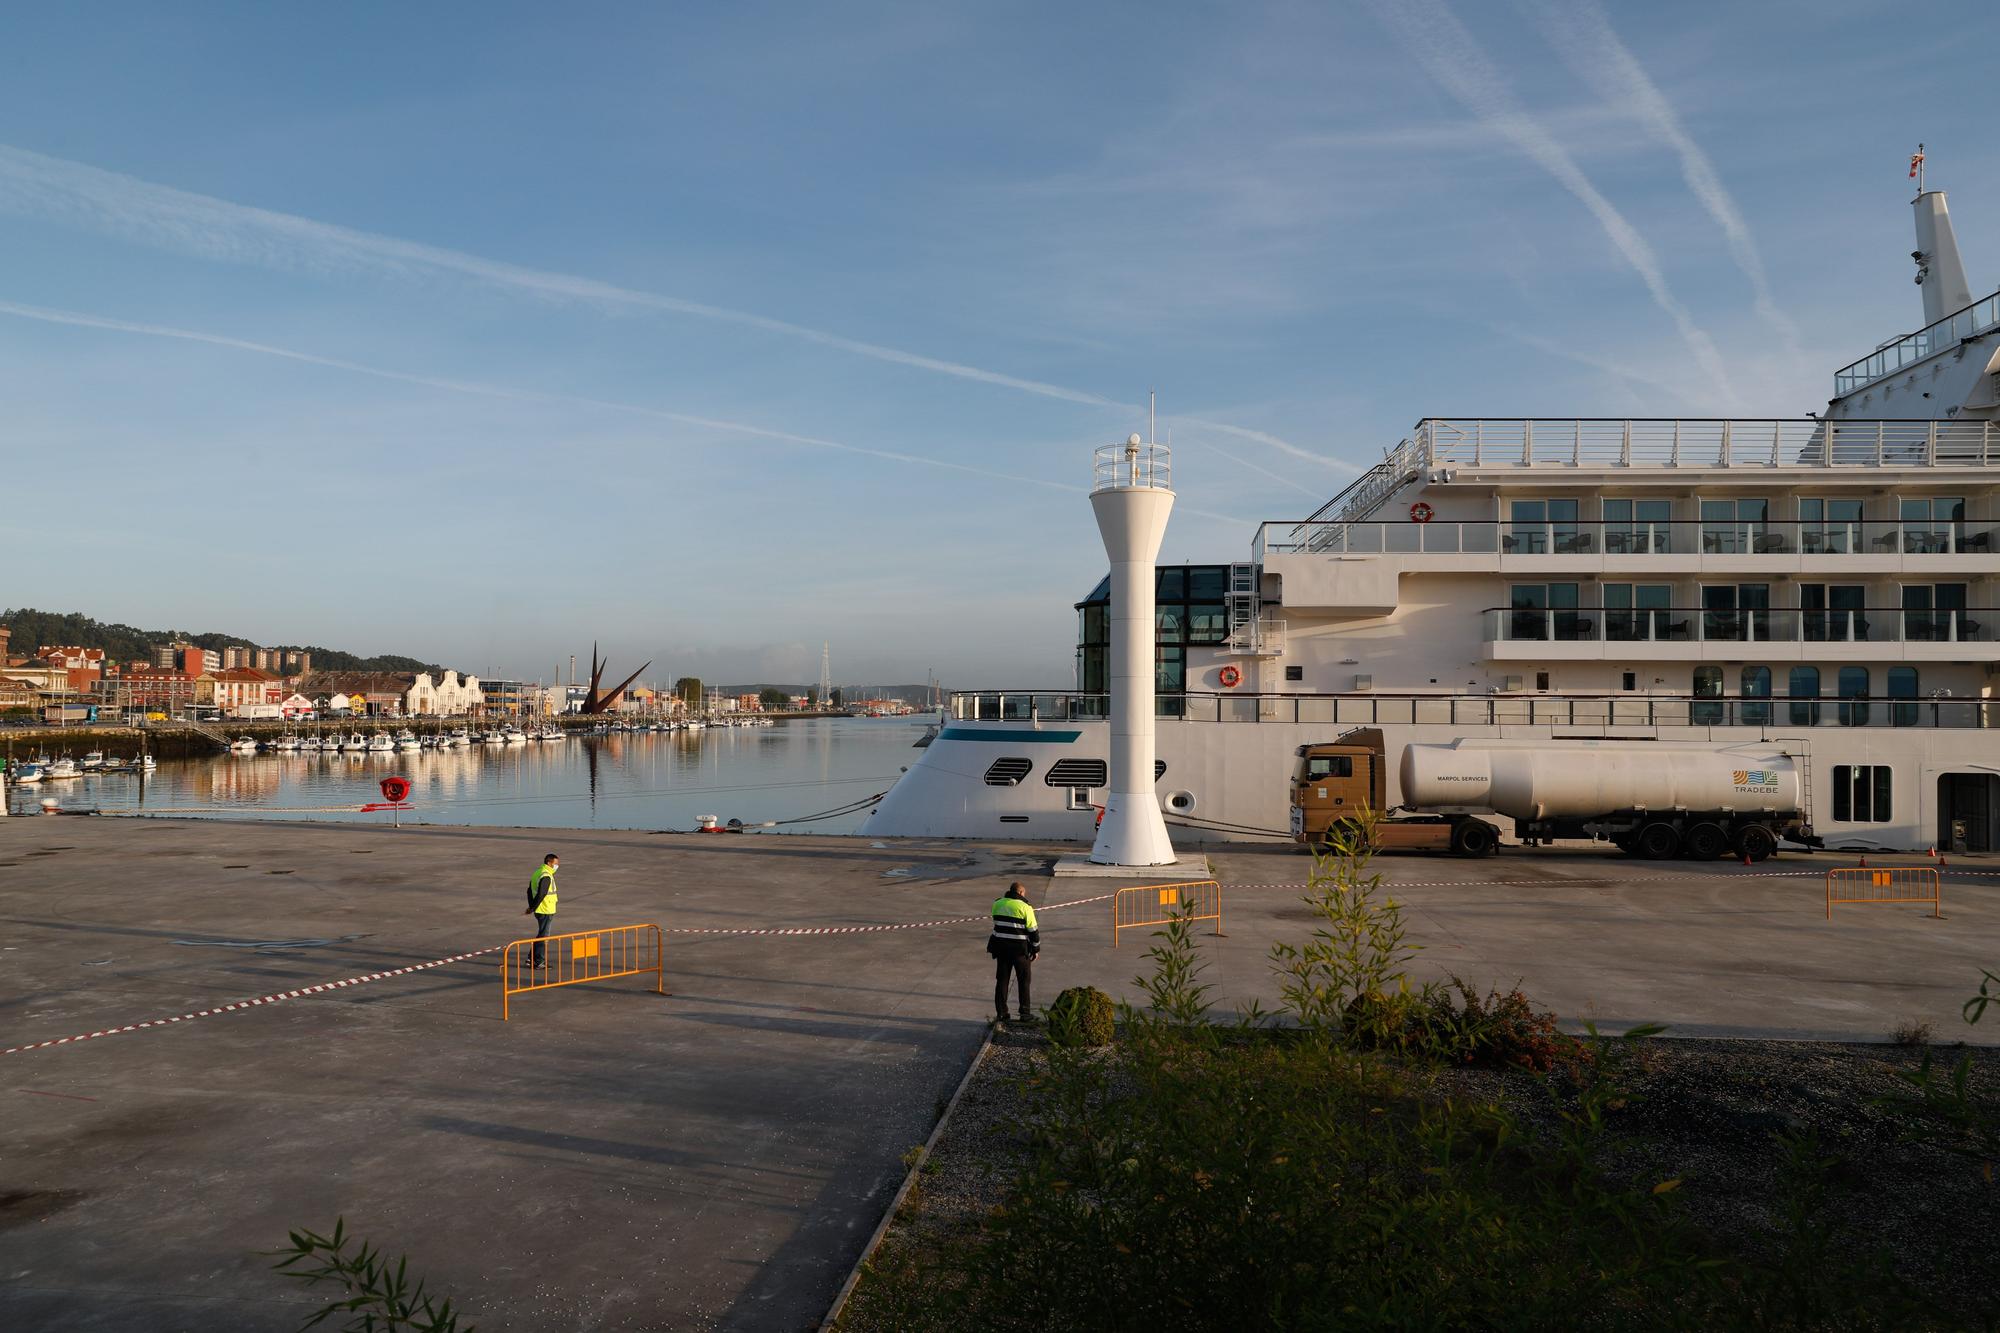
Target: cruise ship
(1829, 585)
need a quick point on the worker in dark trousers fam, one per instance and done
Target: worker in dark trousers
(1015, 941)
(542, 902)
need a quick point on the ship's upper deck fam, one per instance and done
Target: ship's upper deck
(1973, 322)
(1684, 442)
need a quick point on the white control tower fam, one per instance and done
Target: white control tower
(1132, 492)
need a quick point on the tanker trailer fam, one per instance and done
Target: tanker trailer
(1651, 799)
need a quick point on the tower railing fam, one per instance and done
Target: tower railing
(1132, 465)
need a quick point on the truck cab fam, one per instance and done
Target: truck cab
(1338, 782)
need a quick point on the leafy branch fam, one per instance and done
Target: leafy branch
(378, 1297)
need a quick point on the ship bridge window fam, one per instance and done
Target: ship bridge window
(1008, 772)
(1159, 769)
(1076, 773)
(1861, 793)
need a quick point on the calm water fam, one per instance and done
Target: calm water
(651, 780)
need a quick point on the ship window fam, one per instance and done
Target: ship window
(1172, 586)
(1903, 685)
(1168, 622)
(1930, 524)
(1159, 769)
(1638, 527)
(1330, 766)
(1207, 622)
(1630, 680)
(1756, 685)
(1861, 793)
(1736, 527)
(1208, 583)
(1170, 670)
(1541, 526)
(1829, 527)
(1854, 685)
(1076, 773)
(1707, 686)
(1295, 673)
(1008, 772)
(1832, 612)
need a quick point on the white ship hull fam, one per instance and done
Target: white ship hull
(1227, 781)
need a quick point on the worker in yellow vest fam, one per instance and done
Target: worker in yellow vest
(542, 901)
(1016, 939)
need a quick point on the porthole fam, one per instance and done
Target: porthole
(1008, 772)
(1180, 802)
(1076, 773)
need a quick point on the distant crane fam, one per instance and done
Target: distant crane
(825, 676)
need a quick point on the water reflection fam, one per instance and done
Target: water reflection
(652, 780)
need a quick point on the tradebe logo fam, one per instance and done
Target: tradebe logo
(1755, 778)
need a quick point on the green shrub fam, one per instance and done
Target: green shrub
(1082, 1016)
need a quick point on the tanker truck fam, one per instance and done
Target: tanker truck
(1650, 799)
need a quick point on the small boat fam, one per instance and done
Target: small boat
(64, 767)
(407, 743)
(288, 743)
(95, 759)
(243, 745)
(380, 741)
(145, 763)
(355, 741)
(25, 773)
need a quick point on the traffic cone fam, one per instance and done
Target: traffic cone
(1746, 858)
(1932, 853)
(1864, 863)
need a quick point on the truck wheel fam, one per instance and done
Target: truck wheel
(1755, 842)
(1657, 842)
(1473, 837)
(1705, 842)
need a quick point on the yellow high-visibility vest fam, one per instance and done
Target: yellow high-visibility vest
(547, 907)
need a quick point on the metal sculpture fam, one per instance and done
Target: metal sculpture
(600, 701)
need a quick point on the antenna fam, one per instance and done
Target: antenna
(1152, 415)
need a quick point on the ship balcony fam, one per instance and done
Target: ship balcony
(1695, 634)
(1686, 545)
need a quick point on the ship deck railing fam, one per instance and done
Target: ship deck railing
(1742, 624)
(1709, 442)
(1524, 709)
(1982, 316)
(1511, 537)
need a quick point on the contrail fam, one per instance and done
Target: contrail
(159, 215)
(1455, 61)
(1582, 34)
(87, 321)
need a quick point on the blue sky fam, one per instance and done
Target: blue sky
(714, 332)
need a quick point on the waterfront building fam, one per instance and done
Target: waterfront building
(235, 688)
(151, 688)
(1828, 584)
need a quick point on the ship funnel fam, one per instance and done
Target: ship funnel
(1132, 494)
(1939, 270)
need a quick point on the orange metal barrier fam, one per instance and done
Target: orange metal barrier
(585, 955)
(1896, 884)
(1157, 904)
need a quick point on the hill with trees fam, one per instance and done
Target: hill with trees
(124, 643)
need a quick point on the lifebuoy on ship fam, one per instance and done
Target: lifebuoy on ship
(1231, 677)
(1421, 512)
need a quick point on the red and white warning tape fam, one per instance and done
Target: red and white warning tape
(325, 986)
(260, 1000)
